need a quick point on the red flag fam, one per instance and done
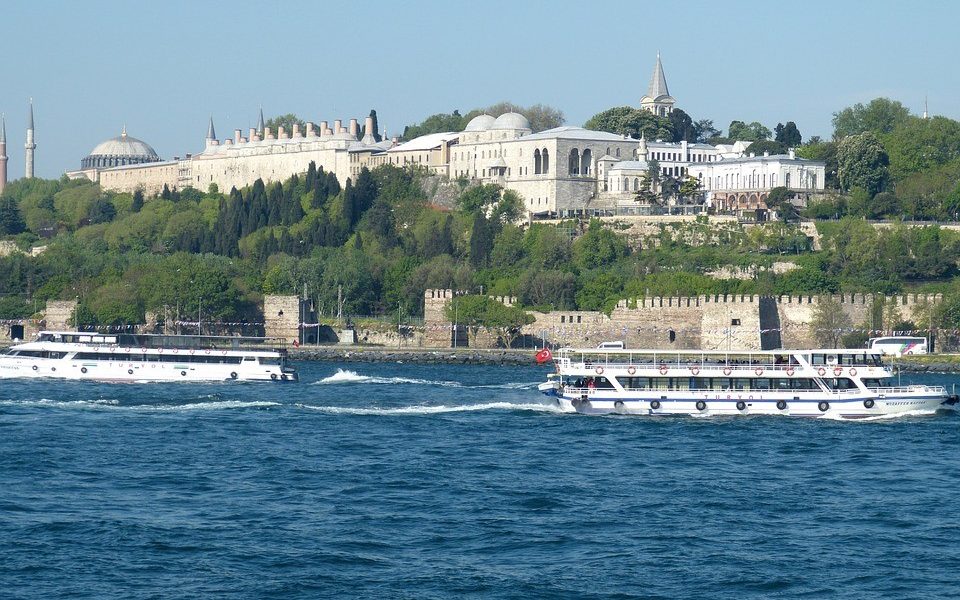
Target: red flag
(543, 356)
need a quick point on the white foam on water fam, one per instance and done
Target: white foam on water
(886, 417)
(115, 405)
(346, 376)
(433, 410)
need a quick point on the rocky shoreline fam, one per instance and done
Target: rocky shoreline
(419, 356)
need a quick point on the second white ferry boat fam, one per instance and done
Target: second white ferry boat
(146, 358)
(846, 384)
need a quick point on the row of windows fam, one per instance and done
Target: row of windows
(166, 358)
(716, 384)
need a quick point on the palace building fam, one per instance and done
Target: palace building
(565, 171)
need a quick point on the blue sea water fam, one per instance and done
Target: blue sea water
(415, 481)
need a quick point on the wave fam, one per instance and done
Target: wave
(433, 410)
(343, 376)
(115, 405)
(891, 416)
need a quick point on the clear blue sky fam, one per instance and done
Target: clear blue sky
(162, 68)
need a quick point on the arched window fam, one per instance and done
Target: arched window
(626, 184)
(536, 162)
(573, 165)
(618, 152)
(546, 161)
(636, 184)
(585, 160)
(786, 180)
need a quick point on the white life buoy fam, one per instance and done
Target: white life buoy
(758, 371)
(599, 370)
(663, 369)
(837, 371)
(695, 370)
(727, 371)
(853, 372)
(821, 371)
(789, 371)
(631, 369)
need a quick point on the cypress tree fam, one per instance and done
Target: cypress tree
(311, 174)
(137, 205)
(481, 241)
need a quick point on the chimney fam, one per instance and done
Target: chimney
(266, 134)
(395, 140)
(766, 153)
(296, 130)
(310, 131)
(792, 153)
(324, 128)
(337, 126)
(228, 142)
(253, 135)
(237, 136)
(354, 127)
(281, 134)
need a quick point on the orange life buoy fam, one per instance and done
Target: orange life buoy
(837, 371)
(789, 371)
(821, 371)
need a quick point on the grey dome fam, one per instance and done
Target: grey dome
(511, 120)
(118, 151)
(480, 123)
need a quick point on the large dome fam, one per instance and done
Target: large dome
(511, 120)
(480, 123)
(119, 151)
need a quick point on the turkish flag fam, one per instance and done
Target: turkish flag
(543, 356)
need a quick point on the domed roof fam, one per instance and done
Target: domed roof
(511, 120)
(124, 145)
(480, 123)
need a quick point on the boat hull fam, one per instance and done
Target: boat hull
(134, 372)
(859, 407)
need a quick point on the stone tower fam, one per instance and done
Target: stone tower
(658, 99)
(3, 153)
(30, 146)
(211, 134)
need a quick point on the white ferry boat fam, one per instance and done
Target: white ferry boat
(145, 358)
(847, 384)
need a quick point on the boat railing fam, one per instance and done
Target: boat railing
(689, 365)
(927, 389)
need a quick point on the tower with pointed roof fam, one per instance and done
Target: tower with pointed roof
(658, 99)
(3, 153)
(30, 146)
(211, 134)
(260, 123)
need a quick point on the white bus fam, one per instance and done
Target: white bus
(898, 345)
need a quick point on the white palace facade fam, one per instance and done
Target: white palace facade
(564, 171)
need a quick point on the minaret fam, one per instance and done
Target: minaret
(260, 123)
(3, 153)
(642, 150)
(30, 146)
(925, 114)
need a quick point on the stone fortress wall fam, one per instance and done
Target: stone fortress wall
(714, 322)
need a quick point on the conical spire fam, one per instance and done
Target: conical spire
(3, 129)
(211, 133)
(260, 122)
(30, 122)
(658, 83)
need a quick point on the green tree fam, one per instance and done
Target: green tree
(478, 312)
(137, 205)
(629, 121)
(920, 144)
(438, 123)
(862, 162)
(768, 146)
(705, 131)
(11, 222)
(829, 322)
(754, 132)
(287, 121)
(598, 247)
(682, 126)
(788, 134)
(822, 151)
(880, 116)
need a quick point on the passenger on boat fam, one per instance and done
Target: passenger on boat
(591, 384)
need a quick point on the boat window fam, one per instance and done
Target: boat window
(760, 384)
(699, 383)
(874, 383)
(840, 383)
(40, 354)
(741, 383)
(817, 359)
(268, 360)
(249, 358)
(635, 383)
